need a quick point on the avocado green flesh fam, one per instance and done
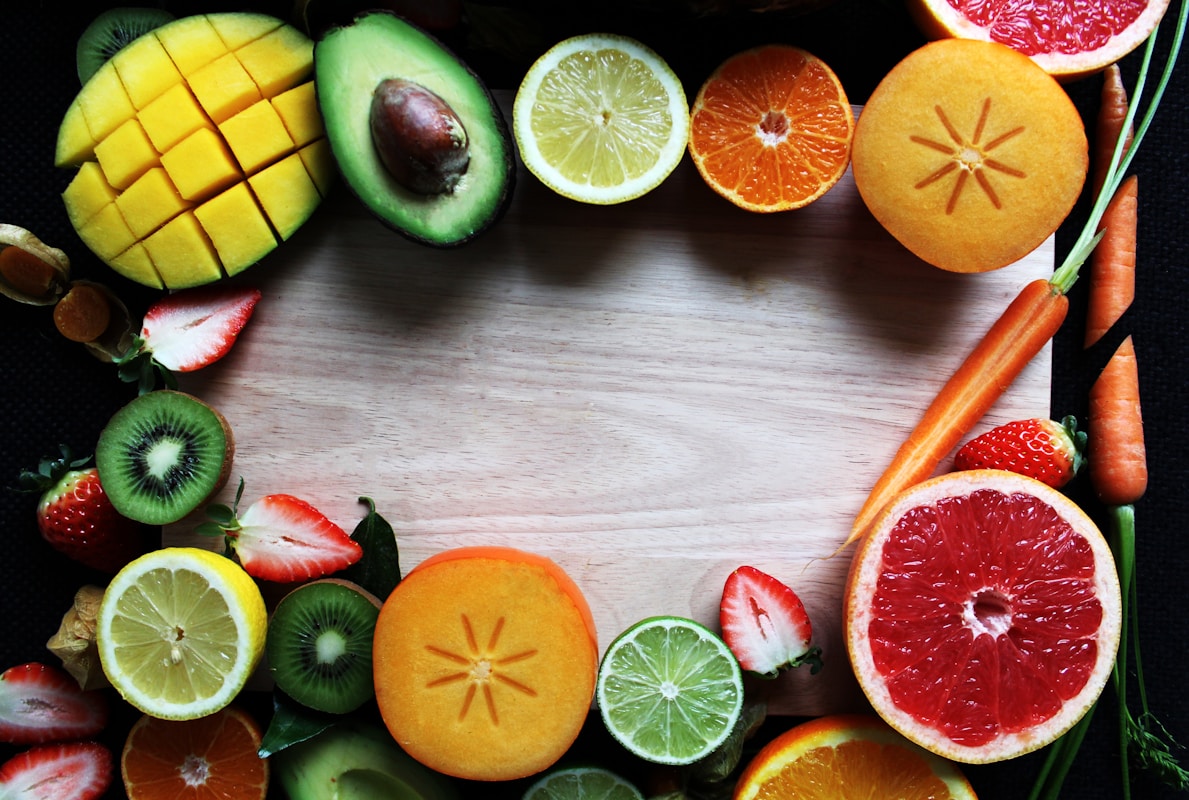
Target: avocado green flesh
(349, 63)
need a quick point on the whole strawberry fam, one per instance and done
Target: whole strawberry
(76, 517)
(1050, 451)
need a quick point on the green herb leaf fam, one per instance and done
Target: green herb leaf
(378, 571)
(291, 723)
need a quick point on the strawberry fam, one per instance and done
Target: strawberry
(282, 538)
(76, 517)
(765, 624)
(1050, 451)
(186, 331)
(40, 703)
(72, 771)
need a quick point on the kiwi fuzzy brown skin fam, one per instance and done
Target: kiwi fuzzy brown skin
(288, 647)
(109, 32)
(108, 457)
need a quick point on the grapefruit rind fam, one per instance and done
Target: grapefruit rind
(834, 730)
(939, 19)
(867, 567)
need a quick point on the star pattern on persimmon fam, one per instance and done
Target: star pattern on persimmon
(479, 668)
(969, 158)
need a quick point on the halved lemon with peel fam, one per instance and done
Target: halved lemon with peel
(180, 630)
(601, 118)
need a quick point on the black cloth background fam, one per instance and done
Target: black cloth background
(52, 391)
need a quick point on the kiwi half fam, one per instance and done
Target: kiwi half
(110, 31)
(163, 455)
(319, 645)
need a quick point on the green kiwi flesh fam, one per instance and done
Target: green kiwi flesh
(319, 645)
(110, 31)
(163, 455)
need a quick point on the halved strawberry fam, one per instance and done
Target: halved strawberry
(188, 330)
(765, 624)
(76, 517)
(1050, 451)
(41, 703)
(283, 538)
(72, 771)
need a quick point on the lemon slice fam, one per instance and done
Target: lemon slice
(179, 631)
(601, 118)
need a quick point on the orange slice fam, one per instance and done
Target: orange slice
(485, 663)
(849, 755)
(209, 758)
(982, 614)
(771, 129)
(969, 154)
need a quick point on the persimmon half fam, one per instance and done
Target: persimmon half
(485, 661)
(969, 154)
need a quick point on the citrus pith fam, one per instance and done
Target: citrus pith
(982, 614)
(849, 755)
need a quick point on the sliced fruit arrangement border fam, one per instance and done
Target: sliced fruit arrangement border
(100, 373)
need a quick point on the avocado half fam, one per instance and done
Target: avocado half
(350, 61)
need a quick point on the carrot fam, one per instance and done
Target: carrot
(1117, 457)
(1112, 263)
(1020, 333)
(1110, 124)
(1027, 324)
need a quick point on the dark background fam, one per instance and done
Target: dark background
(52, 391)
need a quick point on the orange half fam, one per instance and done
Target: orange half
(771, 129)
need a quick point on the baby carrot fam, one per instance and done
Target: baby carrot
(1117, 457)
(1027, 324)
(1112, 263)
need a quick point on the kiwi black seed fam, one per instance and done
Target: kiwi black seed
(110, 31)
(163, 455)
(319, 645)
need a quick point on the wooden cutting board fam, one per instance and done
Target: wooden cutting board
(651, 394)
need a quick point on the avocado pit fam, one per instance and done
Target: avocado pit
(418, 137)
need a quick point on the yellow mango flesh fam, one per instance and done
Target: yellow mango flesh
(198, 148)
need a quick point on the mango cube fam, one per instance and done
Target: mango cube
(319, 162)
(287, 194)
(150, 202)
(278, 60)
(107, 233)
(104, 103)
(224, 88)
(126, 154)
(192, 43)
(145, 69)
(75, 143)
(172, 117)
(257, 136)
(298, 110)
(201, 165)
(183, 255)
(87, 194)
(134, 263)
(237, 228)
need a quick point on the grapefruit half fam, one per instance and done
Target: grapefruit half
(982, 614)
(1067, 38)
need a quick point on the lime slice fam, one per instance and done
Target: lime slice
(179, 632)
(669, 690)
(582, 783)
(601, 118)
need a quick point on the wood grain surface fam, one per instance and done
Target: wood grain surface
(651, 394)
